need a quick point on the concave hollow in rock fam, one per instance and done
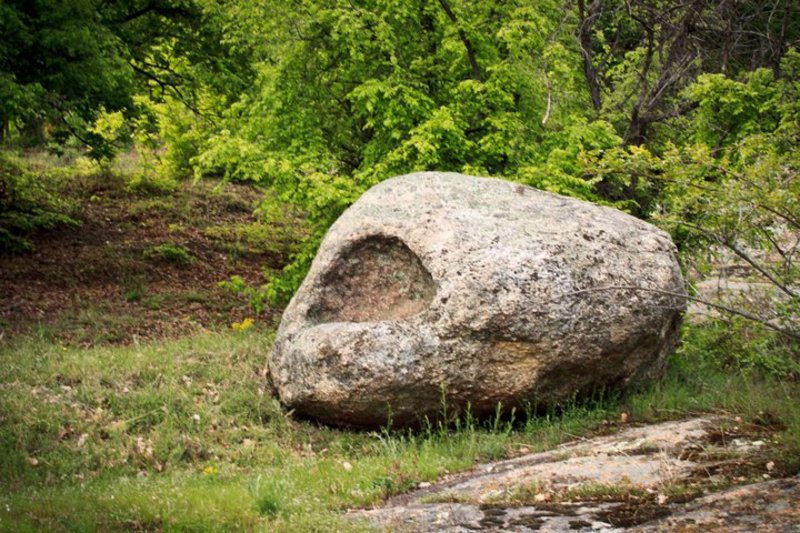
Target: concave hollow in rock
(376, 278)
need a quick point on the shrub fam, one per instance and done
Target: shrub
(30, 199)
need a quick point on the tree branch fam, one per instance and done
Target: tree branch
(784, 331)
(549, 87)
(473, 60)
(730, 245)
(167, 85)
(587, 20)
(679, 111)
(785, 217)
(153, 7)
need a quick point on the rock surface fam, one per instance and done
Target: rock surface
(477, 290)
(769, 506)
(650, 478)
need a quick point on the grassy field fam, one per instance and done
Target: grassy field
(186, 435)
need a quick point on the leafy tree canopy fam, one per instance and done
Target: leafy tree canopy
(63, 62)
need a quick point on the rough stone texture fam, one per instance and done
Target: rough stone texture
(478, 290)
(552, 491)
(771, 506)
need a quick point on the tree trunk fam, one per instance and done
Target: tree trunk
(471, 56)
(3, 129)
(589, 70)
(637, 128)
(33, 132)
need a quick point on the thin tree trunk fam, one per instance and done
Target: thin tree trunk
(34, 131)
(471, 56)
(589, 70)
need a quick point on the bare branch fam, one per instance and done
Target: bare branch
(783, 331)
(549, 88)
(587, 20)
(729, 244)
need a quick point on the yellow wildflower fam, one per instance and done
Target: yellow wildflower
(244, 325)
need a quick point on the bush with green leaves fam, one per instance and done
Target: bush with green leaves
(350, 94)
(30, 199)
(731, 193)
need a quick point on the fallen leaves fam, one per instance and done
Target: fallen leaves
(143, 447)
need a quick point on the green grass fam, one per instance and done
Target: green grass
(90, 325)
(613, 492)
(170, 252)
(185, 435)
(701, 379)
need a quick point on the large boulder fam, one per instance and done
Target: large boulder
(440, 287)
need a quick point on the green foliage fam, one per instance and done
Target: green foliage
(65, 67)
(730, 110)
(170, 252)
(180, 132)
(733, 344)
(113, 132)
(564, 170)
(154, 171)
(59, 59)
(134, 294)
(30, 200)
(730, 192)
(350, 94)
(743, 198)
(238, 286)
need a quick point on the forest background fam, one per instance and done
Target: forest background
(683, 113)
(680, 112)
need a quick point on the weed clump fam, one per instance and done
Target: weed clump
(170, 252)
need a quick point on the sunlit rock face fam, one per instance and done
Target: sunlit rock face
(440, 287)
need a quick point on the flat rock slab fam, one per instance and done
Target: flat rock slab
(606, 483)
(770, 506)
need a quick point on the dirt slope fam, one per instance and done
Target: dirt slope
(140, 267)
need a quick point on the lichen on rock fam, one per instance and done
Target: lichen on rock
(477, 290)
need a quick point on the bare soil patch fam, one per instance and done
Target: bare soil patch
(138, 267)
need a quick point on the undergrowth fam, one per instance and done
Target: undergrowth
(31, 199)
(186, 435)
